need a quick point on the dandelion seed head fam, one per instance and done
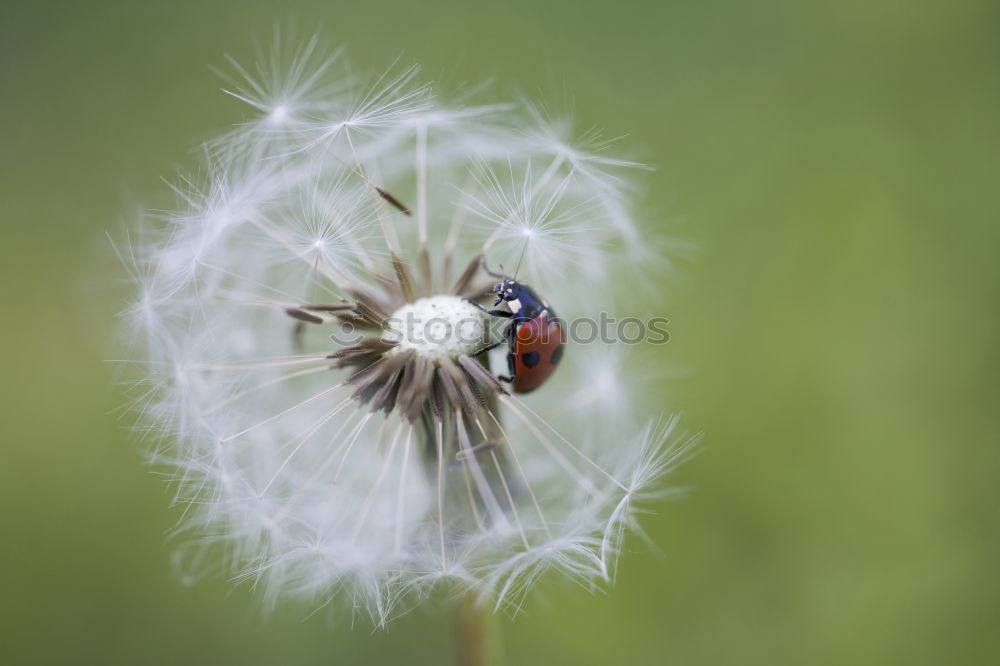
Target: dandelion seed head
(319, 447)
(437, 326)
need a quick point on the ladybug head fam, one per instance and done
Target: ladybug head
(508, 290)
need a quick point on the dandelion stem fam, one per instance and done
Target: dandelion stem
(474, 640)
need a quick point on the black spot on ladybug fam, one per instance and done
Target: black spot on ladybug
(556, 355)
(531, 359)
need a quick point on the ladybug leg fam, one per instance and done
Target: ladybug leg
(511, 365)
(491, 272)
(492, 345)
(493, 313)
(508, 336)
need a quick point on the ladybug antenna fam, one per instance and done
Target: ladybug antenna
(492, 272)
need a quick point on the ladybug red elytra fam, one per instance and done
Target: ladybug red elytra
(534, 336)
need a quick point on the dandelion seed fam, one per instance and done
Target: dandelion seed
(374, 468)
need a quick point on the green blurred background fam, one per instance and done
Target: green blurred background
(835, 162)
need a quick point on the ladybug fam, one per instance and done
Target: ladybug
(534, 336)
